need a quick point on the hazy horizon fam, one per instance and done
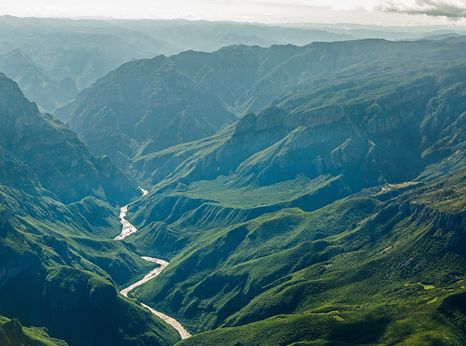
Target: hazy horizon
(365, 12)
(232, 172)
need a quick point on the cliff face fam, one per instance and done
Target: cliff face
(41, 147)
(390, 137)
(397, 130)
(149, 105)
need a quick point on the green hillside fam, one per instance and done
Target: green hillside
(334, 216)
(13, 333)
(302, 195)
(387, 258)
(60, 269)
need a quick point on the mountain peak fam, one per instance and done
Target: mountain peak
(13, 100)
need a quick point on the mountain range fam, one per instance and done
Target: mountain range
(302, 195)
(316, 246)
(320, 214)
(68, 55)
(132, 101)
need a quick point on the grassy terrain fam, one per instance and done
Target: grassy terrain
(221, 191)
(369, 260)
(12, 333)
(335, 215)
(350, 212)
(336, 328)
(62, 272)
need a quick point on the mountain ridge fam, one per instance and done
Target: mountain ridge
(302, 195)
(26, 133)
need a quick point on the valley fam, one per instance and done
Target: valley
(307, 194)
(125, 224)
(304, 218)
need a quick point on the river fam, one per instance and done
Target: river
(126, 230)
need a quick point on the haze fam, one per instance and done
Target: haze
(382, 12)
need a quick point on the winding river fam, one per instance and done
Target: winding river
(126, 227)
(126, 230)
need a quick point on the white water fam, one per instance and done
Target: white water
(128, 229)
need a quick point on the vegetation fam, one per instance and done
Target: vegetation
(368, 261)
(60, 270)
(13, 333)
(345, 209)
(306, 195)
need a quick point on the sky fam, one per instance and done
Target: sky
(382, 12)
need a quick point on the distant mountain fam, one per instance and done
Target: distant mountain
(79, 50)
(70, 55)
(210, 36)
(144, 105)
(148, 105)
(73, 53)
(38, 87)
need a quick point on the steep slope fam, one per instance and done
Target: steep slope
(35, 83)
(338, 209)
(50, 281)
(391, 130)
(13, 333)
(147, 103)
(61, 163)
(150, 105)
(59, 268)
(388, 258)
(58, 271)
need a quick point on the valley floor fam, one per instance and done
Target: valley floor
(126, 225)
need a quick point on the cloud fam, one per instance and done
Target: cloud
(452, 9)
